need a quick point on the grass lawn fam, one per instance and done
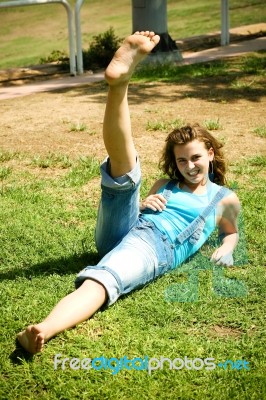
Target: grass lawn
(48, 209)
(49, 195)
(24, 43)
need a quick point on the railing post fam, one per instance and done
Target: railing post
(71, 39)
(225, 34)
(78, 37)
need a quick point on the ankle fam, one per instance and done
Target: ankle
(46, 329)
(117, 84)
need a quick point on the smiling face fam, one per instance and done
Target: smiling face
(192, 160)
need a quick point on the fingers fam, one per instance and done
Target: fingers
(155, 202)
(225, 260)
(215, 257)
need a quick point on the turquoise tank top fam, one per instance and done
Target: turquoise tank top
(181, 209)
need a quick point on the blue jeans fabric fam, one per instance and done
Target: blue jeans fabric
(134, 252)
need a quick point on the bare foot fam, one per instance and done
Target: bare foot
(32, 339)
(133, 50)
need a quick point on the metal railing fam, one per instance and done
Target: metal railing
(78, 36)
(225, 34)
(71, 36)
(76, 63)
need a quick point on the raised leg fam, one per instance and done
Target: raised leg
(117, 127)
(119, 208)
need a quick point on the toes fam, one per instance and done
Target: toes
(149, 34)
(38, 338)
(34, 330)
(31, 339)
(39, 342)
(155, 39)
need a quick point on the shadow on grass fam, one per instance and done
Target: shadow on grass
(19, 355)
(207, 81)
(60, 266)
(206, 89)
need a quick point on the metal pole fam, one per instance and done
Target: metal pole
(72, 57)
(225, 34)
(78, 36)
(150, 15)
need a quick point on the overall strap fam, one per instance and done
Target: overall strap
(194, 230)
(166, 193)
(168, 189)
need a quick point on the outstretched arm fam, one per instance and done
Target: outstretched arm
(228, 231)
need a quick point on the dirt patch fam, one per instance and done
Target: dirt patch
(49, 122)
(223, 331)
(44, 123)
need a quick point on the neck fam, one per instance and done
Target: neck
(195, 187)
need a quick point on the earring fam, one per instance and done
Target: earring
(211, 173)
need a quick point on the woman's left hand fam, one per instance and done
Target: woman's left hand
(222, 257)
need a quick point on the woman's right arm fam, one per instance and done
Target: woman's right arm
(228, 231)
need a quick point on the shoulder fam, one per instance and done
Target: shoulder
(230, 203)
(230, 198)
(158, 184)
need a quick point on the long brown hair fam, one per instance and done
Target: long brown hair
(187, 134)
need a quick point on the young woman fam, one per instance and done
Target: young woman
(176, 218)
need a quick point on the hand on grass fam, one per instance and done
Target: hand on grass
(222, 256)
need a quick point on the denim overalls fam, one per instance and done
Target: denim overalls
(134, 252)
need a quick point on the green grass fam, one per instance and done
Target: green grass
(198, 311)
(213, 124)
(205, 16)
(51, 161)
(260, 131)
(25, 44)
(164, 126)
(78, 127)
(235, 68)
(4, 173)
(47, 225)
(172, 73)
